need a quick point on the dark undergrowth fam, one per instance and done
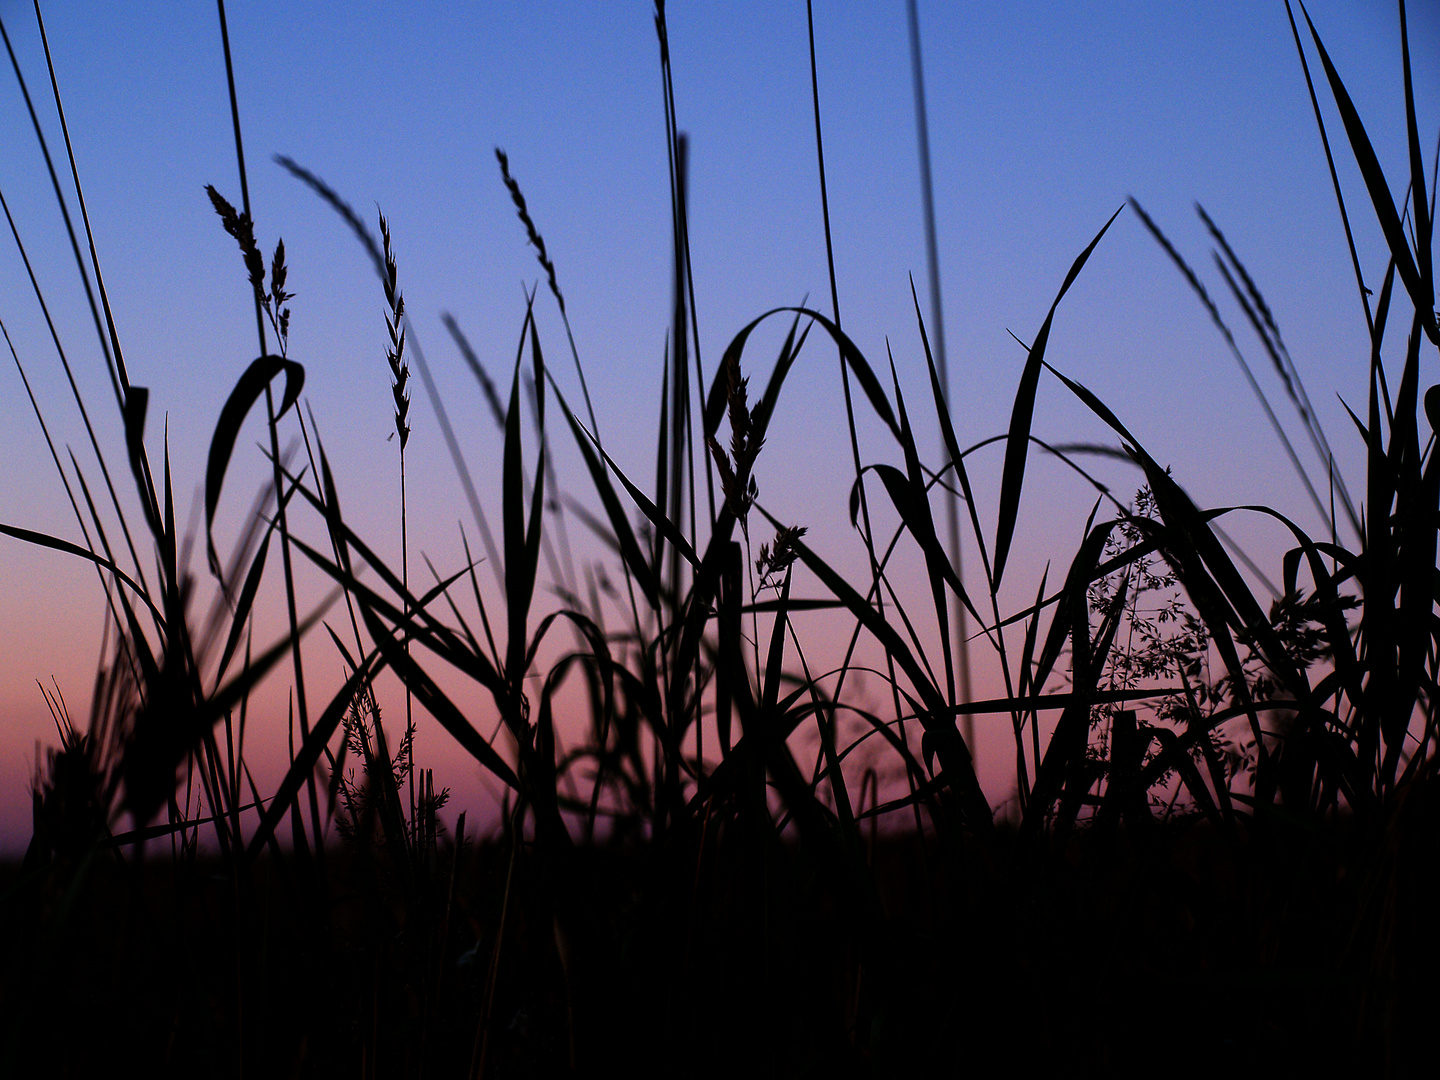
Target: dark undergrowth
(1182, 949)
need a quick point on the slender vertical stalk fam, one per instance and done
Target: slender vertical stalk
(302, 710)
(937, 324)
(118, 375)
(844, 369)
(400, 373)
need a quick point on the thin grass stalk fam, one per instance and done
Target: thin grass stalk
(867, 536)
(682, 469)
(59, 468)
(955, 459)
(291, 610)
(136, 400)
(561, 562)
(65, 215)
(680, 439)
(958, 614)
(129, 624)
(1334, 176)
(1422, 214)
(679, 144)
(1416, 275)
(676, 143)
(75, 392)
(1252, 303)
(400, 374)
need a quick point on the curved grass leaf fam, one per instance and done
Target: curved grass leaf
(1012, 475)
(237, 406)
(436, 701)
(56, 544)
(760, 416)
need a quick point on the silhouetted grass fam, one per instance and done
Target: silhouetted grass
(1224, 848)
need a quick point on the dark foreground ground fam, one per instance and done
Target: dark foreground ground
(1179, 951)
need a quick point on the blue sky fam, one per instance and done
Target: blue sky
(1043, 119)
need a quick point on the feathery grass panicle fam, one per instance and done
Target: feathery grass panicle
(273, 302)
(243, 230)
(278, 296)
(774, 559)
(538, 242)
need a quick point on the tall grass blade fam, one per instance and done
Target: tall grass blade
(1418, 284)
(663, 525)
(435, 700)
(1012, 475)
(1420, 211)
(1334, 176)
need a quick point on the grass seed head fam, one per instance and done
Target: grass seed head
(395, 324)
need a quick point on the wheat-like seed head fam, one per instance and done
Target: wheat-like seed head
(395, 324)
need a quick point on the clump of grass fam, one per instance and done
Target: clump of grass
(688, 880)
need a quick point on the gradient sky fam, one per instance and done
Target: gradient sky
(1043, 119)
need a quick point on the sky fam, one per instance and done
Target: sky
(1043, 120)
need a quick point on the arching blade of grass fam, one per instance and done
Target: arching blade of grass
(472, 361)
(436, 701)
(174, 718)
(910, 495)
(1012, 475)
(1418, 280)
(65, 546)
(952, 445)
(716, 400)
(1032, 680)
(137, 403)
(1262, 321)
(1407, 563)
(1213, 584)
(599, 650)
(431, 635)
(245, 601)
(1421, 210)
(440, 640)
(1065, 751)
(1194, 281)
